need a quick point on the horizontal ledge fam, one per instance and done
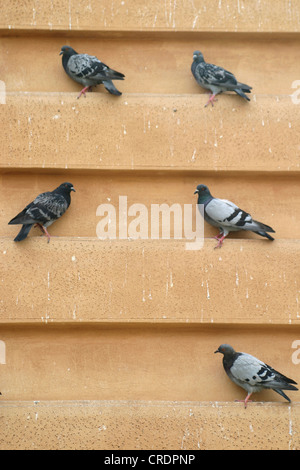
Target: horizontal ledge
(176, 130)
(241, 283)
(162, 323)
(149, 426)
(146, 32)
(138, 403)
(99, 190)
(143, 170)
(95, 95)
(156, 243)
(137, 15)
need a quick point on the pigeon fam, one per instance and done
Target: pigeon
(43, 211)
(216, 79)
(252, 374)
(227, 216)
(89, 71)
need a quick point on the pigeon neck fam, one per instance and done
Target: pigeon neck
(65, 193)
(204, 198)
(229, 359)
(65, 60)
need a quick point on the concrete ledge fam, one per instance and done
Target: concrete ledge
(136, 15)
(51, 132)
(155, 64)
(267, 197)
(145, 361)
(88, 280)
(149, 426)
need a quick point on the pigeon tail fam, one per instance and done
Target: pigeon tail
(244, 87)
(241, 89)
(263, 229)
(280, 392)
(266, 235)
(240, 93)
(290, 381)
(111, 88)
(23, 233)
(21, 218)
(290, 387)
(113, 75)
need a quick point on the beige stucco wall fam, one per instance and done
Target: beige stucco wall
(109, 344)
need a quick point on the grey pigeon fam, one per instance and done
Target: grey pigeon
(252, 374)
(227, 216)
(43, 211)
(89, 71)
(216, 79)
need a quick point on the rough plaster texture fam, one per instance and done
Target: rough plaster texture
(71, 280)
(136, 15)
(149, 426)
(109, 344)
(156, 65)
(150, 132)
(146, 361)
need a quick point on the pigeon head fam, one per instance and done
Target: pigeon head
(67, 51)
(225, 349)
(202, 189)
(198, 56)
(66, 187)
(203, 193)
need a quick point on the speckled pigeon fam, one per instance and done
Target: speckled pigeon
(252, 374)
(216, 79)
(89, 71)
(227, 216)
(43, 211)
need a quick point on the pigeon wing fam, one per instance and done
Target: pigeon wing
(22, 217)
(217, 76)
(84, 66)
(48, 207)
(248, 369)
(227, 214)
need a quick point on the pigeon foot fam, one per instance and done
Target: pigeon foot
(83, 91)
(220, 241)
(246, 401)
(44, 230)
(212, 99)
(46, 233)
(217, 237)
(243, 401)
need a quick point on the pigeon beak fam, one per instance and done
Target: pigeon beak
(217, 351)
(196, 192)
(61, 52)
(72, 189)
